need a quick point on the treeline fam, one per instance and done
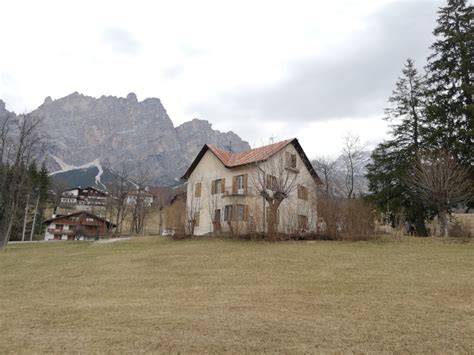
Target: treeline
(23, 186)
(426, 169)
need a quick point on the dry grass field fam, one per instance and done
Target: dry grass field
(153, 294)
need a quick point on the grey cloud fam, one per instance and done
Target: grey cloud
(353, 81)
(121, 41)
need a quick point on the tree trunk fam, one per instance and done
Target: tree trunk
(443, 224)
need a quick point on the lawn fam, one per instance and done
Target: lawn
(154, 294)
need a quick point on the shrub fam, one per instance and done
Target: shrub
(343, 219)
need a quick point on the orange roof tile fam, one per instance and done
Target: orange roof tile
(230, 159)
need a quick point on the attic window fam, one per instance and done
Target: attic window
(290, 160)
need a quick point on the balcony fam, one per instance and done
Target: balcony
(60, 231)
(229, 192)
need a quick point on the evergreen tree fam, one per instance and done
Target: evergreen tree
(451, 73)
(393, 159)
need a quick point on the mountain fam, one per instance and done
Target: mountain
(111, 131)
(338, 174)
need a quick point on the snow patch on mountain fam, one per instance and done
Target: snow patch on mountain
(67, 167)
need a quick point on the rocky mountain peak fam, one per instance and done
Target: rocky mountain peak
(118, 130)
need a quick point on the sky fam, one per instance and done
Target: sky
(315, 70)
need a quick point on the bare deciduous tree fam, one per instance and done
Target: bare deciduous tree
(352, 154)
(275, 179)
(193, 205)
(441, 182)
(119, 189)
(140, 205)
(325, 166)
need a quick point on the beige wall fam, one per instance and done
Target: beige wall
(210, 168)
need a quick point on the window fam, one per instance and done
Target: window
(240, 181)
(88, 219)
(302, 193)
(228, 213)
(196, 219)
(239, 184)
(290, 160)
(302, 222)
(271, 182)
(240, 212)
(293, 161)
(197, 189)
(218, 186)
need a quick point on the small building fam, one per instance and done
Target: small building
(77, 226)
(83, 198)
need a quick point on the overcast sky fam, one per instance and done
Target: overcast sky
(314, 70)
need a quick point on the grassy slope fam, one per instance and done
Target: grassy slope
(153, 294)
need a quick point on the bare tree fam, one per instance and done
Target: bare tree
(325, 166)
(275, 179)
(138, 199)
(214, 212)
(18, 148)
(352, 154)
(441, 182)
(119, 189)
(193, 205)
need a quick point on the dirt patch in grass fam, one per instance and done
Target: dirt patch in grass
(155, 294)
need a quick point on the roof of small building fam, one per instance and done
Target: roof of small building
(78, 214)
(232, 160)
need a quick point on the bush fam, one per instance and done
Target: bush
(459, 230)
(343, 219)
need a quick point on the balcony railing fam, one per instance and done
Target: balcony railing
(229, 192)
(60, 231)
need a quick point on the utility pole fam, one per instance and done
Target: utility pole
(34, 217)
(26, 217)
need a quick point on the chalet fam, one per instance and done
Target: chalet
(83, 198)
(232, 192)
(77, 226)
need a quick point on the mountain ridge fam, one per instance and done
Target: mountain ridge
(121, 130)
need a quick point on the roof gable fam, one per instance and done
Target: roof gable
(232, 160)
(78, 214)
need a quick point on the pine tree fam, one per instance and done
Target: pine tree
(393, 159)
(451, 71)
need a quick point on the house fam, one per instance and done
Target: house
(77, 226)
(142, 195)
(233, 192)
(83, 198)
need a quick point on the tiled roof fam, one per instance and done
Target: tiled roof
(230, 159)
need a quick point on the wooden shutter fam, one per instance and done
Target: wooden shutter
(213, 187)
(246, 213)
(222, 185)
(234, 184)
(246, 183)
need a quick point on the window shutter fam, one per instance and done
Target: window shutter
(234, 184)
(222, 185)
(246, 213)
(246, 183)
(213, 187)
